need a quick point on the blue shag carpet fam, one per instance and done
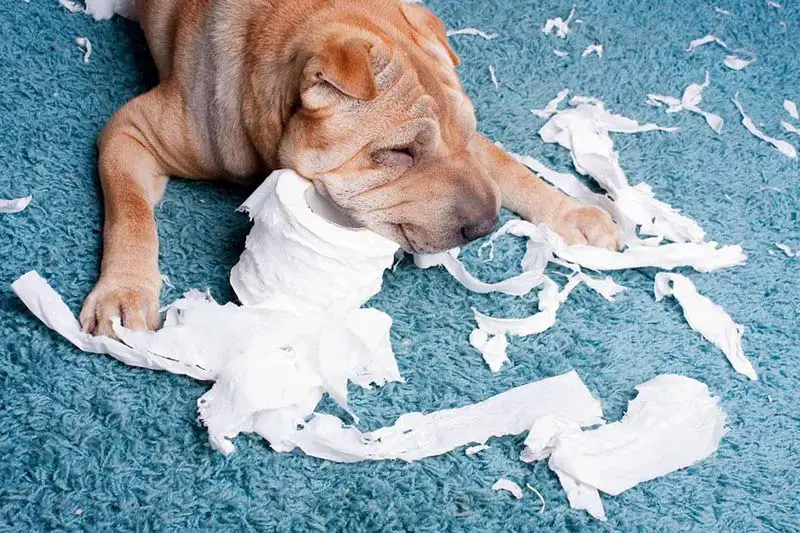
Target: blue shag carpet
(88, 443)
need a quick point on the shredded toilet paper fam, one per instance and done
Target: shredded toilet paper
(560, 53)
(690, 101)
(492, 348)
(86, 46)
(723, 11)
(673, 423)
(551, 107)
(508, 486)
(105, 9)
(493, 76)
(473, 31)
(593, 49)
(782, 146)
(789, 128)
(706, 39)
(707, 318)
(14, 206)
(791, 108)
(478, 448)
(70, 6)
(560, 26)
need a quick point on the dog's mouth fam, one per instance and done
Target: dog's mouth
(409, 243)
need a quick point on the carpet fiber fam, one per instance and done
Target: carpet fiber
(88, 443)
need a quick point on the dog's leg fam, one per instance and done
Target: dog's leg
(133, 176)
(527, 195)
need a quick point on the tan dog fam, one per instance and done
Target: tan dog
(361, 97)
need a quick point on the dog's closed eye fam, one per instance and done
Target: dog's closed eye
(394, 157)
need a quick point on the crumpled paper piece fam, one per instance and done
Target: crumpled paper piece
(593, 49)
(690, 101)
(15, 205)
(86, 47)
(673, 423)
(492, 348)
(560, 26)
(508, 486)
(473, 31)
(782, 146)
(707, 318)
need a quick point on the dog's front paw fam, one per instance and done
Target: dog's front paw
(591, 225)
(133, 299)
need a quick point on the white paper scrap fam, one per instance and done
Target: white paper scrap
(86, 46)
(493, 349)
(551, 108)
(723, 11)
(415, 436)
(704, 41)
(689, 101)
(478, 448)
(785, 249)
(539, 494)
(560, 53)
(593, 49)
(105, 9)
(473, 31)
(707, 318)
(789, 128)
(70, 6)
(14, 206)
(782, 146)
(791, 108)
(560, 26)
(772, 3)
(493, 76)
(508, 486)
(673, 423)
(738, 63)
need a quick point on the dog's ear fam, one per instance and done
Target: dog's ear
(425, 22)
(343, 65)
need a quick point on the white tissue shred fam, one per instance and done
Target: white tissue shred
(690, 101)
(105, 9)
(707, 318)
(492, 348)
(14, 206)
(738, 63)
(473, 450)
(593, 49)
(785, 249)
(723, 11)
(508, 486)
(70, 6)
(560, 26)
(86, 46)
(774, 4)
(782, 146)
(673, 423)
(473, 31)
(791, 108)
(539, 495)
(560, 53)
(551, 108)
(702, 41)
(493, 76)
(789, 128)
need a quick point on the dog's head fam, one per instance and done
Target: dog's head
(384, 129)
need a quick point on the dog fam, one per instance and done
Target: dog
(361, 97)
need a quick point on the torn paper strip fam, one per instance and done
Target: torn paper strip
(593, 49)
(473, 31)
(707, 39)
(473, 450)
(539, 495)
(689, 101)
(14, 206)
(673, 423)
(560, 26)
(415, 436)
(508, 486)
(560, 53)
(551, 107)
(707, 318)
(782, 146)
(789, 128)
(736, 62)
(493, 76)
(86, 46)
(785, 249)
(773, 4)
(492, 348)
(791, 108)
(723, 11)
(70, 6)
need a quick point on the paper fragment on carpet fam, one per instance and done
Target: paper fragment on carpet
(14, 205)
(791, 108)
(782, 146)
(415, 436)
(723, 11)
(492, 348)
(551, 108)
(560, 26)
(473, 31)
(493, 76)
(70, 6)
(707, 39)
(785, 249)
(707, 318)
(86, 46)
(560, 53)
(689, 101)
(593, 49)
(473, 450)
(789, 128)
(508, 486)
(539, 495)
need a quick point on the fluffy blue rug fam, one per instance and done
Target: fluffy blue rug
(88, 443)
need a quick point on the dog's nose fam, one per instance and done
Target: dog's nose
(480, 228)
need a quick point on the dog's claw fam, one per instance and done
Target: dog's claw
(132, 300)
